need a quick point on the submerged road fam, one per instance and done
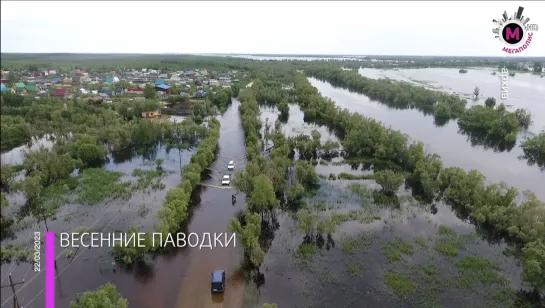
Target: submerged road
(213, 215)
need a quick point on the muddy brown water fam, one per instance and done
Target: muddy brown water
(180, 278)
(324, 281)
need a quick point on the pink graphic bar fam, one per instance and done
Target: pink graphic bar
(50, 270)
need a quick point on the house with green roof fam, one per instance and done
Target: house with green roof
(31, 88)
(20, 87)
(159, 82)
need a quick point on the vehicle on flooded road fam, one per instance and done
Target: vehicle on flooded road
(231, 165)
(218, 281)
(226, 180)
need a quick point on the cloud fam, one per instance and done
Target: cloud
(408, 28)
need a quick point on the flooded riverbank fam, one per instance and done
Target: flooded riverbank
(372, 262)
(453, 147)
(525, 90)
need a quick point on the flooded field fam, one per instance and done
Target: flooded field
(96, 264)
(160, 281)
(454, 148)
(368, 260)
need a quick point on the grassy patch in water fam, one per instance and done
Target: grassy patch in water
(95, 185)
(421, 242)
(401, 284)
(148, 178)
(449, 243)
(396, 248)
(354, 215)
(305, 251)
(354, 268)
(10, 253)
(348, 176)
(356, 244)
(474, 270)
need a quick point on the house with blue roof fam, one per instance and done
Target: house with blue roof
(112, 79)
(162, 87)
(159, 82)
(3, 88)
(200, 94)
(57, 80)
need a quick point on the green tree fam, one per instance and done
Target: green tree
(135, 250)
(149, 92)
(306, 174)
(263, 197)
(490, 102)
(106, 296)
(476, 92)
(295, 194)
(389, 180)
(533, 255)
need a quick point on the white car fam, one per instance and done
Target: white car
(226, 180)
(231, 165)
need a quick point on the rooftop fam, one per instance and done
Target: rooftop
(217, 276)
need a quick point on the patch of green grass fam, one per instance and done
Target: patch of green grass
(356, 244)
(396, 248)
(449, 242)
(446, 247)
(96, 185)
(354, 268)
(421, 241)
(354, 215)
(10, 253)
(403, 286)
(305, 251)
(444, 230)
(475, 270)
(148, 178)
(348, 176)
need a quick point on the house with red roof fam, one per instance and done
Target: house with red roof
(62, 93)
(135, 90)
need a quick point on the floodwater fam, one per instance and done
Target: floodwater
(213, 214)
(95, 264)
(454, 148)
(163, 281)
(325, 280)
(525, 90)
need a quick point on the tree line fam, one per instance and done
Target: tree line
(490, 125)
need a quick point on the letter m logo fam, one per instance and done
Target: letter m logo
(510, 34)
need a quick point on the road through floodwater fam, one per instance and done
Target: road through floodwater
(213, 215)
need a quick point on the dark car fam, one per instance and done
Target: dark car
(218, 281)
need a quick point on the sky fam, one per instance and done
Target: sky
(310, 27)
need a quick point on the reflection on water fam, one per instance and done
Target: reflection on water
(525, 90)
(455, 149)
(349, 272)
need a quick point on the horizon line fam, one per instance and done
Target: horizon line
(271, 54)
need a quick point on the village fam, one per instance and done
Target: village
(125, 86)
